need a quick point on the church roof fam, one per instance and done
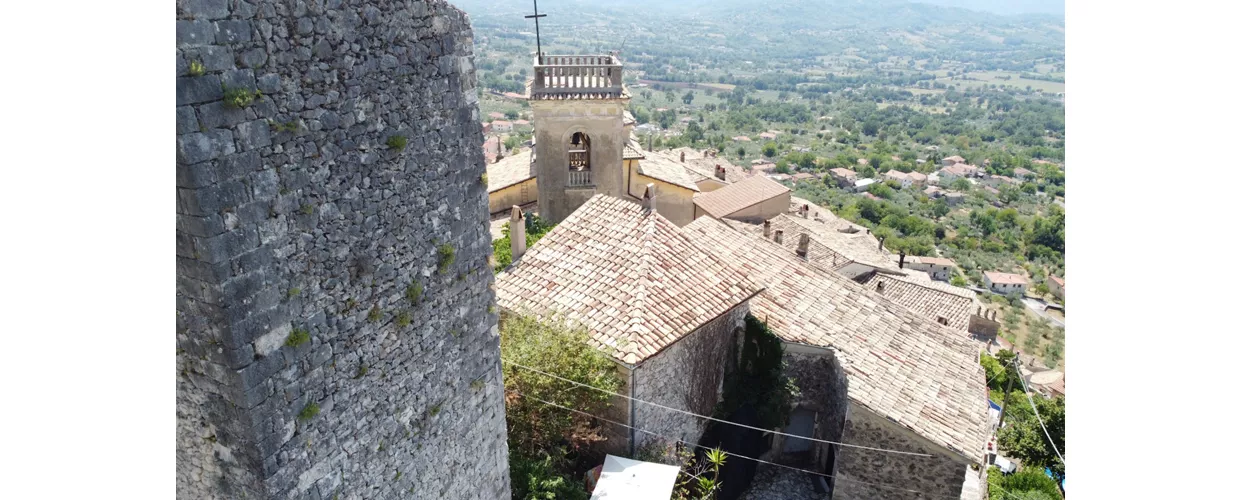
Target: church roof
(667, 170)
(734, 197)
(510, 171)
(701, 167)
(628, 275)
(917, 373)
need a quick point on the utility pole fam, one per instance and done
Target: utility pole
(1008, 391)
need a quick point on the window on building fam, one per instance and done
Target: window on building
(579, 160)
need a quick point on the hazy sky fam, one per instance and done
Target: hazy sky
(1004, 6)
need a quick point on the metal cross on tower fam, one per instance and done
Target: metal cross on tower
(537, 35)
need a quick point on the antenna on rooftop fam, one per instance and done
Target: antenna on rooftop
(537, 33)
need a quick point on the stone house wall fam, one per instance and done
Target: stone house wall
(824, 391)
(687, 375)
(941, 475)
(295, 220)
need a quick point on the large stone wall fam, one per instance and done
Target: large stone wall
(824, 391)
(687, 375)
(297, 220)
(941, 475)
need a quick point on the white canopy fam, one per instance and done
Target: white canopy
(624, 479)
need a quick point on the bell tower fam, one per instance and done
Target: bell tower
(579, 104)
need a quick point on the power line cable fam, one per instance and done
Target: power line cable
(879, 485)
(1039, 417)
(557, 377)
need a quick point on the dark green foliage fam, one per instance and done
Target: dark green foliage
(403, 318)
(413, 292)
(759, 381)
(1026, 484)
(240, 97)
(310, 411)
(1022, 436)
(297, 337)
(535, 228)
(447, 255)
(543, 439)
(397, 142)
(289, 126)
(307, 209)
(374, 315)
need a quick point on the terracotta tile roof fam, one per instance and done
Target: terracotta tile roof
(843, 172)
(667, 170)
(629, 276)
(856, 246)
(1021, 171)
(633, 150)
(701, 167)
(803, 176)
(955, 158)
(928, 299)
(998, 277)
(916, 176)
(934, 261)
(917, 373)
(510, 171)
(746, 193)
(896, 174)
(1058, 281)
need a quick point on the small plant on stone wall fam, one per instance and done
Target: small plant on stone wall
(413, 292)
(361, 371)
(349, 304)
(476, 384)
(289, 126)
(447, 255)
(307, 209)
(435, 409)
(403, 319)
(310, 411)
(374, 315)
(484, 178)
(397, 142)
(297, 337)
(240, 97)
(293, 292)
(196, 68)
(397, 478)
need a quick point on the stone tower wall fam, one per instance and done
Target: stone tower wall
(556, 122)
(299, 217)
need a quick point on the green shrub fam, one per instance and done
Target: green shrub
(375, 314)
(403, 319)
(447, 255)
(413, 292)
(238, 98)
(297, 337)
(196, 68)
(397, 142)
(310, 411)
(293, 292)
(307, 209)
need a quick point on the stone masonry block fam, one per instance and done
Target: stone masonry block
(253, 135)
(195, 33)
(200, 147)
(187, 120)
(232, 31)
(212, 57)
(202, 9)
(198, 89)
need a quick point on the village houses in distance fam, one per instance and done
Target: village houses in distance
(661, 255)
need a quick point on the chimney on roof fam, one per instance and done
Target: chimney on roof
(901, 259)
(880, 287)
(779, 236)
(766, 230)
(803, 246)
(880, 242)
(721, 172)
(516, 232)
(682, 156)
(648, 198)
(804, 211)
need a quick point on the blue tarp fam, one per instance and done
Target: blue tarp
(1051, 474)
(993, 405)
